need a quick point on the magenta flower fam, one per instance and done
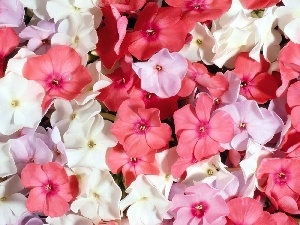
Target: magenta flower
(197, 208)
(162, 73)
(199, 131)
(140, 130)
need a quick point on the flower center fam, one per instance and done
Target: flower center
(199, 42)
(14, 103)
(91, 144)
(55, 82)
(142, 127)
(148, 95)
(122, 81)
(158, 67)
(73, 116)
(243, 84)
(133, 159)
(97, 196)
(281, 177)
(258, 13)
(76, 39)
(242, 125)
(210, 172)
(202, 129)
(217, 101)
(199, 209)
(48, 187)
(3, 199)
(150, 32)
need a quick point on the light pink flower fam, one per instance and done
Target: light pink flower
(197, 208)
(162, 73)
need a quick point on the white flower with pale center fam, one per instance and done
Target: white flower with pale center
(99, 81)
(102, 197)
(255, 153)
(146, 204)
(62, 9)
(200, 47)
(211, 171)
(69, 219)
(78, 32)
(86, 144)
(163, 182)
(289, 19)
(7, 164)
(69, 113)
(12, 203)
(20, 103)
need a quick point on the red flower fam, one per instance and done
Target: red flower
(9, 40)
(51, 188)
(156, 28)
(59, 71)
(140, 130)
(261, 4)
(256, 83)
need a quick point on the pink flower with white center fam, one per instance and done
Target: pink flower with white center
(140, 130)
(162, 73)
(200, 131)
(194, 207)
(250, 121)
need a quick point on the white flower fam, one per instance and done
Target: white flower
(78, 32)
(12, 203)
(200, 47)
(69, 219)
(87, 144)
(99, 81)
(101, 199)
(68, 113)
(20, 103)
(289, 19)
(7, 164)
(146, 204)
(16, 63)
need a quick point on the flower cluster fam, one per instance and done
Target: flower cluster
(149, 112)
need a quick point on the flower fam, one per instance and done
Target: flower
(51, 188)
(156, 28)
(20, 103)
(60, 73)
(194, 207)
(162, 73)
(140, 130)
(199, 131)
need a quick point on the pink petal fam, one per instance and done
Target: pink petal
(36, 200)
(158, 137)
(185, 119)
(205, 148)
(221, 127)
(203, 107)
(56, 173)
(55, 206)
(33, 176)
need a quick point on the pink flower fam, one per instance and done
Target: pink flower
(199, 131)
(197, 208)
(244, 211)
(51, 188)
(117, 159)
(282, 218)
(279, 179)
(162, 73)
(293, 102)
(9, 40)
(60, 73)
(140, 130)
(156, 28)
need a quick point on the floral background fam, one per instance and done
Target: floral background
(149, 112)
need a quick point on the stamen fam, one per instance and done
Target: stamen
(158, 67)
(242, 125)
(199, 42)
(201, 129)
(91, 144)
(217, 101)
(142, 127)
(243, 84)
(132, 159)
(55, 82)
(210, 172)
(281, 175)
(48, 187)
(3, 199)
(14, 103)
(199, 207)
(150, 32)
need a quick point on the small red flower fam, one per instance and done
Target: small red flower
(51, 188)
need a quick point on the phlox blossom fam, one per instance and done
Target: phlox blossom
(244, 211)
(60, 73)
(279, 180)
(140, 130)
(200, 131)
(20, 103)
(195, 207)
(51, 188)
(162, 73)
(146, 204)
